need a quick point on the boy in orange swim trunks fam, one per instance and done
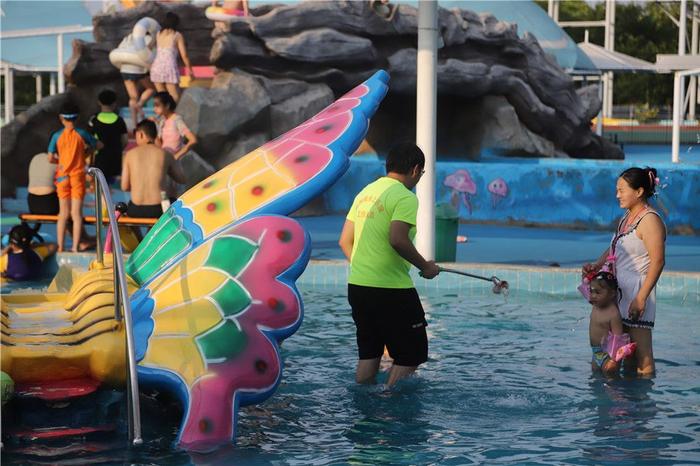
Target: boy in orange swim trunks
(68, 147)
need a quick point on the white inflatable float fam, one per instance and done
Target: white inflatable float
(217, 13)
(136, 51)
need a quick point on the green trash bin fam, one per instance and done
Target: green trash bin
(7, 387)
(446, 229)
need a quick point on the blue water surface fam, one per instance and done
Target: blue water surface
(506, 383)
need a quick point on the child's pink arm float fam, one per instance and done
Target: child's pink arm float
(618, 347)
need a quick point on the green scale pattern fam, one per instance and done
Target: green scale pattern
(230, 254)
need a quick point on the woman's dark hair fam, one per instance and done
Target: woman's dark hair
(21, 235)
(166, 100)
(171, 21)
(403, 157)
(107, 97)
(148, 128)
(641, 178)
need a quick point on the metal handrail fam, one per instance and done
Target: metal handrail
(121, 298)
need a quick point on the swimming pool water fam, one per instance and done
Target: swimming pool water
(506, 383)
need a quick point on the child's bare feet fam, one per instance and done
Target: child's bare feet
(86, 245)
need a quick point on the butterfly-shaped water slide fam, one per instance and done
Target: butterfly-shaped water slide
(217, 271)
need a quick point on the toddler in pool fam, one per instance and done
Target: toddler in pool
(608, 343)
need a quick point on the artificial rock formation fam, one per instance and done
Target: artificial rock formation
(496, 89)
(28, 134)
(241, 108)
(341, 43)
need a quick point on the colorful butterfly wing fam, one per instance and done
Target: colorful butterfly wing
(277, 178)
(209, 326)
(217, 271)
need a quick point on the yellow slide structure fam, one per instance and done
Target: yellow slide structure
(61, 336)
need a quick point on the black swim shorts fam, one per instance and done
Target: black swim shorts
(144, 211)
(133, 76)
(389, 317)
(44, 204)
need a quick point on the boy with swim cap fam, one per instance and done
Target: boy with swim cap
(377, 239)
(68, 147)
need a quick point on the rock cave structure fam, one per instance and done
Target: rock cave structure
(284, 63)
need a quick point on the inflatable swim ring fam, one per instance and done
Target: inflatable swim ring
(217, 13)
(136, 51)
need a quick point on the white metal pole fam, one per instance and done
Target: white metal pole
(426, 123)
(556, 11)
(676, 132)
(682, 27)
(606, 41)
(10, 103)
(611, 47)
(693, 86)
(9, 94)
(37, 78)
(52, 83)
(5, 75)
(682, 21)
(61, 78)
(550, 8)
(599, 119)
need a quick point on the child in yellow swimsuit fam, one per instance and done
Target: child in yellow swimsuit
(21, 259)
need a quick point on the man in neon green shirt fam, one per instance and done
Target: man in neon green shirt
(377, 239)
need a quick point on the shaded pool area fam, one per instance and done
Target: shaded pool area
(507, 383)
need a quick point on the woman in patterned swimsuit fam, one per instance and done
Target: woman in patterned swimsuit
(165, 73)
(639, 250)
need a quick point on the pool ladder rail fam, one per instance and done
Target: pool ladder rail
(122, 305)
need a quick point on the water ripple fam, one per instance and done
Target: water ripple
(506, 383)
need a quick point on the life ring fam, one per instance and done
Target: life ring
(136, 51)
(217, 13)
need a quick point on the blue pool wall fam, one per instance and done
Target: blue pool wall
(552, 192)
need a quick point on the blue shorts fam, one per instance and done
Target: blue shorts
(600, 357)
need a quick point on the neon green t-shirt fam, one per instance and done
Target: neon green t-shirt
(374, 262)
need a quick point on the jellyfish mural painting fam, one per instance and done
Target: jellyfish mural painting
(463, 187)
(499, 190)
